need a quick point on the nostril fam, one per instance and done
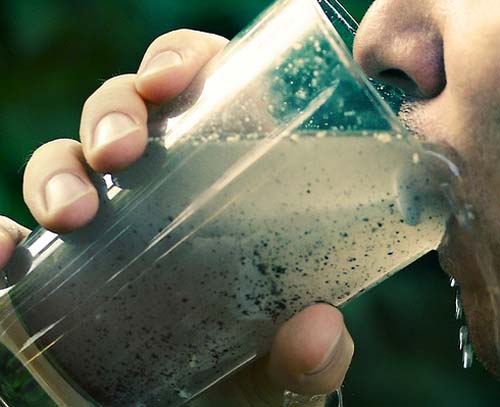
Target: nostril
(400, 79)
(394, 73)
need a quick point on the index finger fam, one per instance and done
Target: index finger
(113, 127)
(11, 234)
(172, 61)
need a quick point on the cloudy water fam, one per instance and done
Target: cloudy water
(195, 262)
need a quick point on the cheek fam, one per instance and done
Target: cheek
(472, 54)
(462, 255)
(469, 112)
(466, 116)
(480, 320)
(470, 105)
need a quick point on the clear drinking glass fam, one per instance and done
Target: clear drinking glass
(280, 178)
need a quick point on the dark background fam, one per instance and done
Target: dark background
(55, 53)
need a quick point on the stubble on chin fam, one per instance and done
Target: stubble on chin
(470, 252)
(463, 255)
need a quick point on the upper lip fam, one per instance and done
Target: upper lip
(425, 118)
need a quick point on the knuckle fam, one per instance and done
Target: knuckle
(116, 82)
(117, 93)
(6, 223)
(165, 39)
(46, 150)
(89, 102)
(54, 145)
(13, 229)
(181, 32)
(119, 80)
(182, 36)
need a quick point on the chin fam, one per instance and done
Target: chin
(482, 327)
(479, 299)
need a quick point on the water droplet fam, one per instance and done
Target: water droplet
(291, 399)
(469, 213)
(463, 337)
(468, 356)
(458, 306)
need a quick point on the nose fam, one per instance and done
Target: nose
(399, 43)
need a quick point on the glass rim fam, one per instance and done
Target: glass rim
(345, 56)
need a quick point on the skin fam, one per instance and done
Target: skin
(444, 52)
(448, 51)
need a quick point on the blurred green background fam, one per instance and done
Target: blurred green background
(55, 53)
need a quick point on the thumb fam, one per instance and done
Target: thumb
(310, 355)
(11, 234)
(312, 351)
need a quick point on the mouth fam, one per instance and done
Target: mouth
(470, 251)
(425, 118)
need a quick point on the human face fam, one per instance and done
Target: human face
(446, 53)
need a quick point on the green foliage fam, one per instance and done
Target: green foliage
(17, 387)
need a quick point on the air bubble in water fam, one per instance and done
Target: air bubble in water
(184, 394)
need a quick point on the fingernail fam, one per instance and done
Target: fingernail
(162, 62)
(112, 127)
(338, 355)
(64, 189)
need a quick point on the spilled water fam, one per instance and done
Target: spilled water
(463, 333)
